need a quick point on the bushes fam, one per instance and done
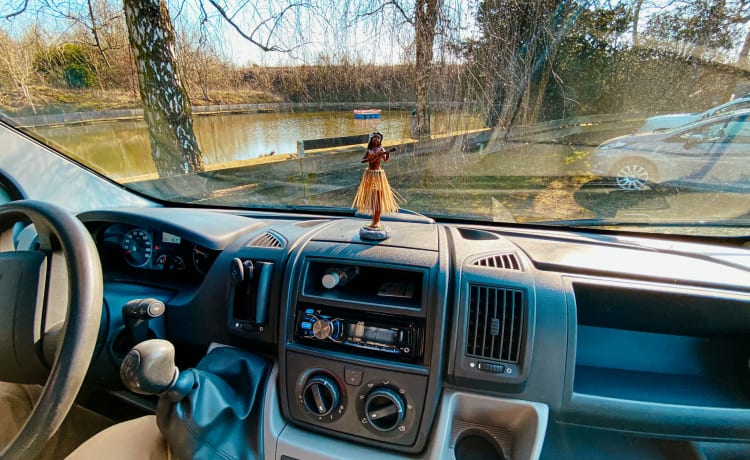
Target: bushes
(69, 65)
(78, 76)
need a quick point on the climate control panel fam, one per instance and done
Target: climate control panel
(356, 400)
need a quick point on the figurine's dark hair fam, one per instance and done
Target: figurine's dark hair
(375, 133)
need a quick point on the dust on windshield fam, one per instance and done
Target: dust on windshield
(582, 112)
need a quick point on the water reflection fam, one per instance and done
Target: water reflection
(121, 149)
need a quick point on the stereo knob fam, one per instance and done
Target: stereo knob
(385, 409)
(324, 329)
(321, 395)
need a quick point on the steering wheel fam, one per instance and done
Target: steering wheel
(32, 285)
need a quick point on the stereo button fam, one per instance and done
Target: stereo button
(353, 376)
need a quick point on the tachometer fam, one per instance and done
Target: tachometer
(137, 247)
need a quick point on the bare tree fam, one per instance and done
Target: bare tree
(425, 20)
(741, 16)
(166, 104)
(636, 18)
(744, 51)
(16, 62)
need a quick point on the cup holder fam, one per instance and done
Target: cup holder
(474, 444)
(475, 426)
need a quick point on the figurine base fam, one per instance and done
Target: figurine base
(381, 232)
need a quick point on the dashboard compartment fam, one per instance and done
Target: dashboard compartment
(644, 347)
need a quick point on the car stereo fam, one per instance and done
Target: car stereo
(350, 330)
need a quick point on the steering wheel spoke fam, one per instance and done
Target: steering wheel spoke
(22, 282)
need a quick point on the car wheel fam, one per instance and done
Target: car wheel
(634, 174)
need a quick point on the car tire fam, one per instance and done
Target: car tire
(634, 174)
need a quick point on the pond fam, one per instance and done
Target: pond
(120, 149)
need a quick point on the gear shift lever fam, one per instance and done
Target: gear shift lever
(149, 369)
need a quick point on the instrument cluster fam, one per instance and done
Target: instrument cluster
(150, 249)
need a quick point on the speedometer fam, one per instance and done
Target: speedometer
(137, 247)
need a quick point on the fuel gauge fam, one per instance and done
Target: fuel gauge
(170, 263)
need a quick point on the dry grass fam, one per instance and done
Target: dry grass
(229, 96)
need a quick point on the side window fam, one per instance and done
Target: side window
(737, 130)
(713, 132)
(733, 107)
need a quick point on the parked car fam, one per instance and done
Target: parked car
(710, 153)
(673, 120)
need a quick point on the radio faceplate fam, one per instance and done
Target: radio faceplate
(360, 332)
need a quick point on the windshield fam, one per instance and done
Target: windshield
(493, 111)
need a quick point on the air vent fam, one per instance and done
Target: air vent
(495, 323)
(266, 240)
(508, 261)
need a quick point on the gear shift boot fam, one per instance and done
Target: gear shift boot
(212, 411)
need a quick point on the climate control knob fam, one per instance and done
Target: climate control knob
(385, 409)
(321, 395)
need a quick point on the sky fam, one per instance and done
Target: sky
(321, 28)
(330, 30)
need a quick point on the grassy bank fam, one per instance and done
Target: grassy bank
(48, 100)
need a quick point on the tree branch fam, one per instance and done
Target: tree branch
(21, 9)
(394, 4)
(275, 20)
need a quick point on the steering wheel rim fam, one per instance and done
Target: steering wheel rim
(56, 226)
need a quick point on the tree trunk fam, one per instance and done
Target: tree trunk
(425, 20)
(636, 18)
(166, 105)
(541, 88)
(742, 58)
(496, 107)
(95, 33)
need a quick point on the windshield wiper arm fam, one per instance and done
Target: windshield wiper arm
(608, 222)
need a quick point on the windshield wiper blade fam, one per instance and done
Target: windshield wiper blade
(403, 215)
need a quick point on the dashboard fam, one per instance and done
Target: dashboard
(526, 342)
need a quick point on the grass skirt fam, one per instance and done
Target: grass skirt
(374, 184)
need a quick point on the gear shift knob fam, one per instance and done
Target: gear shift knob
(149, 367)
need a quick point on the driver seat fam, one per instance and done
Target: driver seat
(137, 439)
(17, 402)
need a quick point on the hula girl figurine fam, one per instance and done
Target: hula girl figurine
(374, 195)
